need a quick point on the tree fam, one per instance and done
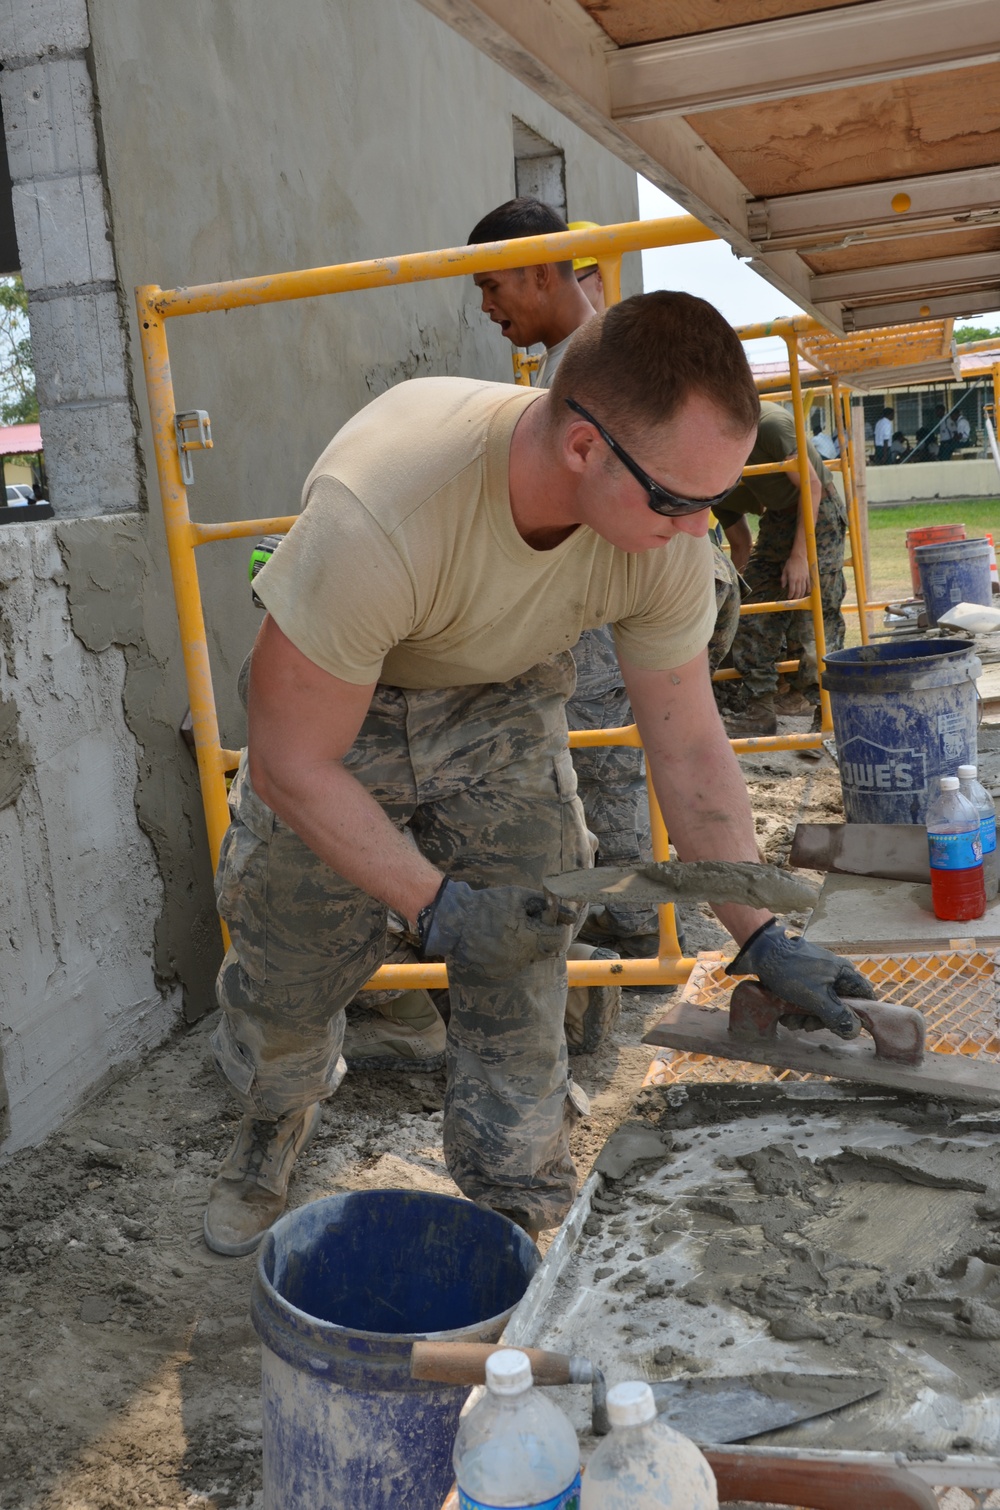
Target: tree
(966, 333)
(18, 399)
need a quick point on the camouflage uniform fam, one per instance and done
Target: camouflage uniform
(612, 778)
(762, 637)
(482, 778)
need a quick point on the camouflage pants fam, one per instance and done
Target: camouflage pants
(482, 778)
(612, 779)
(763, 637)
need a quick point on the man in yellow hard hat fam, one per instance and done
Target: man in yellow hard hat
(585, 269)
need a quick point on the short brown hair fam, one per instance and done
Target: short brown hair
(635, 365)
(521, 217)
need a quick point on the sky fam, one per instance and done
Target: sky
(712, 270)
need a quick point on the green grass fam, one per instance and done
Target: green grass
(887, 527)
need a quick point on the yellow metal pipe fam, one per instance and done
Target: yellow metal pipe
(610, 269)
(608, 242)
(766, 742)
(763, 468)
(240, 529)
(669, 944)
(840, 399)
(787, 327)
(792, 604)
(732, 675)
(184, 572)
(588, 739)
(672, 971)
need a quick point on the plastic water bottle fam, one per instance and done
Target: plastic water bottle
(976, 793)
(958, 892)
(644, 1464)
(515, 1447)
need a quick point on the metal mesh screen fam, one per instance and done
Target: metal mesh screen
(958, 993)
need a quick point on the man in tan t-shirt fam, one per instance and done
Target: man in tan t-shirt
(411, 673)
(547, 303)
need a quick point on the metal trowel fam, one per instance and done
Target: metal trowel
(891, 851)
(893, 1055)
(713, 1411)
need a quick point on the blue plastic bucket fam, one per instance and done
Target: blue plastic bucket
(903, 714)
(955, 571)
(343, 1288)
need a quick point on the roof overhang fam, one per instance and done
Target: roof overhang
(848, 147)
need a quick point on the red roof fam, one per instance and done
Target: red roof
(16, 440)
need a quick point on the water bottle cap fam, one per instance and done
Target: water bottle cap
(949, 783)
(508, 1372)
(967, 773)
(631, 1404)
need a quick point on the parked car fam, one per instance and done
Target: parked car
(19, 494)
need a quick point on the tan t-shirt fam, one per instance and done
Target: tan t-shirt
(406, 566)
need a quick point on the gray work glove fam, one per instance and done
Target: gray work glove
(805, 974)
(494, 933)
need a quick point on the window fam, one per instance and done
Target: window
(539, 168)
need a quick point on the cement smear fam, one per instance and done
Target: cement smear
(689, 881)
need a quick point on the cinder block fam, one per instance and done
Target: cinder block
(91, 459)
(79, 349)
(33, 28)
(62, 232)
(48, 111)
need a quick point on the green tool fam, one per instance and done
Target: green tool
(260, 556)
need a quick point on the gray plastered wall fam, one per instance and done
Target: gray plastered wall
(231, 142)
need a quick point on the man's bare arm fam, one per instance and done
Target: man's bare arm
(740, 541)
(696, 777)
(795, 572)
(302, 723)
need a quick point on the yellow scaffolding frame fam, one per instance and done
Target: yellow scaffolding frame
(176, 436)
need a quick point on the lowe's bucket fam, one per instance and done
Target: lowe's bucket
(953, 572)
(903, 715)
(344, 1286)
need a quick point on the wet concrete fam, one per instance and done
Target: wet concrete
(805, 1229)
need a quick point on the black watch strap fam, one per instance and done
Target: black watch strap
(425, 915)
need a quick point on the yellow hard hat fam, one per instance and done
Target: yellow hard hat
(584, 225)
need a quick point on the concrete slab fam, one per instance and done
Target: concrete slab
(860, 914)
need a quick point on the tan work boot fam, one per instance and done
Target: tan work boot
(591, 1011)
(251, 1190)
(756, 719)
(405, 1033)
(795, 704)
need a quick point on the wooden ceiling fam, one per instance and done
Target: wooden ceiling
(850, 150)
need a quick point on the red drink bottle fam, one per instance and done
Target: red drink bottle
(958, 890)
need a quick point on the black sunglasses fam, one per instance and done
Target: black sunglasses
(660, 500)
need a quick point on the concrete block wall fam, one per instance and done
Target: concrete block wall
(67, 258)
(81, 891)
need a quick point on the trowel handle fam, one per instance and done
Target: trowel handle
(465, 1363)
